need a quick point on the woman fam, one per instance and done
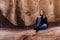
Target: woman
(41, 22)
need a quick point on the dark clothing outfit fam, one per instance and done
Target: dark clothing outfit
(41, 23)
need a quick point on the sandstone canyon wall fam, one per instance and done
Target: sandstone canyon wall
(26, 11)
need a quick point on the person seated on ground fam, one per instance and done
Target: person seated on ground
(41, 22)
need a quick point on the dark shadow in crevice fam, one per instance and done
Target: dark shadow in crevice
(54, 24)
(4, 23)
(20, 22)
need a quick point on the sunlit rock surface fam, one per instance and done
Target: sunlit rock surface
(26, 11)
(48, 34)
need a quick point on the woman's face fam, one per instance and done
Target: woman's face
(41, 12)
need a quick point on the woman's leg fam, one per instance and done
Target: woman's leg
(44, 26)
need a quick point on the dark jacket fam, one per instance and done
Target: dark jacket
(41, 21)
(44, 20)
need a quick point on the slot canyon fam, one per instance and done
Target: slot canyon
(18, 18)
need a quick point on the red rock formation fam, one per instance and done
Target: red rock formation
(50, 34)
(26, 11)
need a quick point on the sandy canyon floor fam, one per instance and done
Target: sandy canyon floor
(48, 34)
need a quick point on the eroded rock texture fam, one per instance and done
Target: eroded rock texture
(50, 34)
(26, 11)
(8, 10)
